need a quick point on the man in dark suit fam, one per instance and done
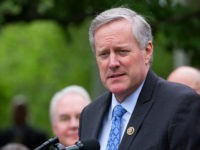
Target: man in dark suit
(159, 115)
(20, 131)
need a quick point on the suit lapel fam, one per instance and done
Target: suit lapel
(101, 108)
(142, 107)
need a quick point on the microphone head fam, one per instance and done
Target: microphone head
(91, 144)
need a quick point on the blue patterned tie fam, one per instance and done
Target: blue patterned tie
(115, 132)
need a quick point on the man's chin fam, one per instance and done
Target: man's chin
(71, 142)
(117, 90)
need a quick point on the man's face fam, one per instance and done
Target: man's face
(123, 65)
(66, 122)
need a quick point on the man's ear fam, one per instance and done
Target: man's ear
(148, 52)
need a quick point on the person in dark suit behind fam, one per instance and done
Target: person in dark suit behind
(20, 131)
(159, 115)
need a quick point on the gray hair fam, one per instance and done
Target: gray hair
(14, 146)
(67, 90)
(141, 29)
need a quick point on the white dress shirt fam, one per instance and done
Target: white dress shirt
(129, 104)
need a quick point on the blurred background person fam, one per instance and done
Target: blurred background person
(14, 146)
(65, 108)
(21, 131)
(187, 75)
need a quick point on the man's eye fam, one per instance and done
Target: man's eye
(104, 54)
(77, 116)
(123, 52)
(64, 118)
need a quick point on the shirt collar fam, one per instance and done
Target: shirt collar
(129, 103)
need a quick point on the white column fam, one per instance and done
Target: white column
(180, 58)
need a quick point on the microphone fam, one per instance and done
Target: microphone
(91, 144)
(46, 144)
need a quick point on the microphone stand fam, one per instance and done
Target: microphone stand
(59, 146)
(46, 144)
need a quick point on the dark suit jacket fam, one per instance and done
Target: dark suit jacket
(166, 117)
(26, 135)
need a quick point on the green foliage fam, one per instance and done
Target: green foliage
(43, 51)
(37, 60)
(177, 20)
(162, 63)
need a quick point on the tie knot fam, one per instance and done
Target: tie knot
(118, 111)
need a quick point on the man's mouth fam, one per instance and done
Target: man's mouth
(116, 75)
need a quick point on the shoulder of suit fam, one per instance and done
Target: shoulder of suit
(103, 99)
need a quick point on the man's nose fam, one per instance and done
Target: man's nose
(74, 121)
(113, 61)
